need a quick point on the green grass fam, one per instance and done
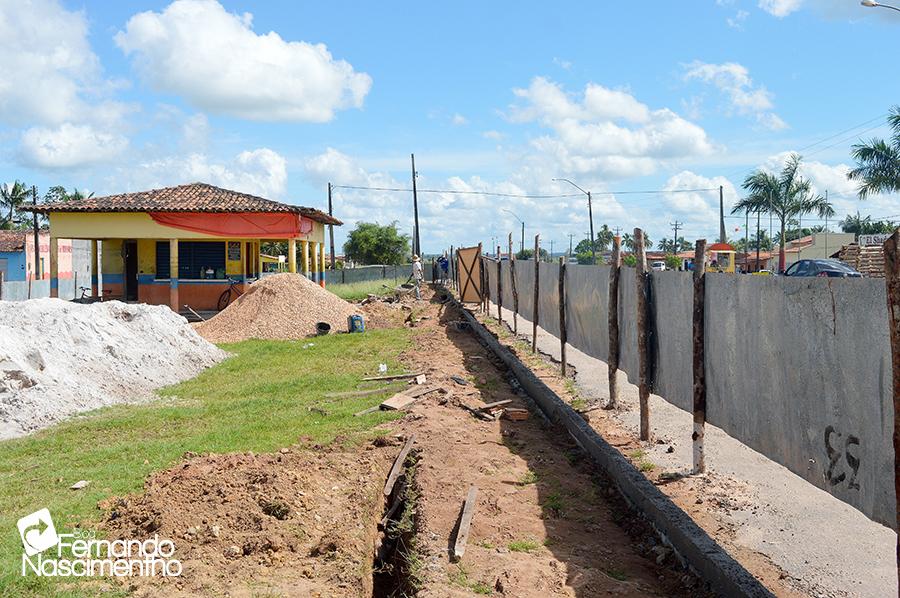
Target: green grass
(637, 454)
(257, 400)
(529, 477)
(460, 577)
(522, 546)
(646, 466)
(553, 503)
(617, 574)
(357, 291)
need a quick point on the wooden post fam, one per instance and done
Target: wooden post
(643, 352)
(612, 361)
(537, 287)
(515, 290)
(499, 287)
(892, 281)
(699, 363)
(562, 315)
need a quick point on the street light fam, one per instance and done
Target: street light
(872, 4)
(522, 247)
(590, 217)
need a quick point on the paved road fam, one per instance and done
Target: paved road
(833, 549)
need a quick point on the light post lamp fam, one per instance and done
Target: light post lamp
(522, 244)
(590, 217)
(872, 4)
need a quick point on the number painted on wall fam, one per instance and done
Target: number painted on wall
(838, 450)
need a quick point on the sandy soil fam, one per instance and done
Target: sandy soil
(535, 491)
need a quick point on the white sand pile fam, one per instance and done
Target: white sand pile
(59, 358)
(282, 306)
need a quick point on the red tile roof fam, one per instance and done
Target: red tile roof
(194, 197)
(12, 240)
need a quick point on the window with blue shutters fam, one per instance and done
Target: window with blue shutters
(196, 259)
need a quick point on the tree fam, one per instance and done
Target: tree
(527, 254)
(866, 226)
(878, 162)
(786, 196)
(59, 193)
(673, 262)
(11, 199)
(371, 243)
(628, 241)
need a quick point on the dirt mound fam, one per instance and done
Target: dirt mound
(300, 522)
(58, 358)
(281, 307)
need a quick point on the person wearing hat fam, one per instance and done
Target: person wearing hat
(417, 274)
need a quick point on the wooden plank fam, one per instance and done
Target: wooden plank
(367, 411)
(643, 349)
(397, 468)
(393, 376)
(613, 322)
(537, 286)
(404, 399)
(563, 337)
(699, 366)
(496, 404)
(360, 393)
(465, 523)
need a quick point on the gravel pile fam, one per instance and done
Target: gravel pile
(59, 358)
(280, 307)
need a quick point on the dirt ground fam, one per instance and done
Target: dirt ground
(302, 522)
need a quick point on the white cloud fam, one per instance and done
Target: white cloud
(699, 210)
(68, 146)
(459, 120)
(494, 135)
(260, 172)
(565, 65)
(605, 131)
(780, 8)
(737, 21)
(745, 97)
(214, 59)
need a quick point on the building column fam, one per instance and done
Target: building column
(259, 261)
(305, 264)
(322, 251)
(173, 275)
(95, 269)
(315, 261)
(292, 256)
(54, 267)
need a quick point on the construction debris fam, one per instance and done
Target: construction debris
(460, 380)
(393, 377)
(79, 485)
(465, 523)
(515, 414)
(404, 399)
(496, 404)
(868, 259)
(282, 307)
(397, 468)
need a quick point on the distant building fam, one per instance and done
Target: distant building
(17, 256)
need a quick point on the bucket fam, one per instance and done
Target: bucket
(355, 324)
(322, 328)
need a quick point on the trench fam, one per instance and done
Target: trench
(396, 565)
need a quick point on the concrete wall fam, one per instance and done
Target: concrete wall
(672, 294)
(587, 309)
(799, 369)
(77, 273)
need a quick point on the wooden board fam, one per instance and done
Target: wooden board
(406, 398)
(496, 404)
(465, 523)
(397, 468)
(393, 376)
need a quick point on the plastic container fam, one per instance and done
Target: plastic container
(323, 328)
(355, 324)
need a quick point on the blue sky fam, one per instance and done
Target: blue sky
(278, 98)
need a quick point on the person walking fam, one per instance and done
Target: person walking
(417, 274)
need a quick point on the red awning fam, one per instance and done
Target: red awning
(238, 224)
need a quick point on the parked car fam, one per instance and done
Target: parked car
(829, 268)
(658, 266)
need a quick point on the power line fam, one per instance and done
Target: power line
(518, 195)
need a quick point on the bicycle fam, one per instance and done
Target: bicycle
(86, 296)
(225, 297)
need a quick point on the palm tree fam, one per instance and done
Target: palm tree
(860, 225)
(878, 162)
(604, 238)
(786, 196)
(628, 241)
(11, 198)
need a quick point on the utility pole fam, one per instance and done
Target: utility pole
(618, 230)
(36, 275)
(331, 227)
(571, 235)
(522, 244)
(757, 240)
(591, 219)
(746, 237)
(826, 225)
(722, 215)
(551, 250)
(417, 248)
(676, 225)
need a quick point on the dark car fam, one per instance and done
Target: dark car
(829, 268)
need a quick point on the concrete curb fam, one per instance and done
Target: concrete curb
(725, 576)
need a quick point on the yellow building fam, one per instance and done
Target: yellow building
(209, 236)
